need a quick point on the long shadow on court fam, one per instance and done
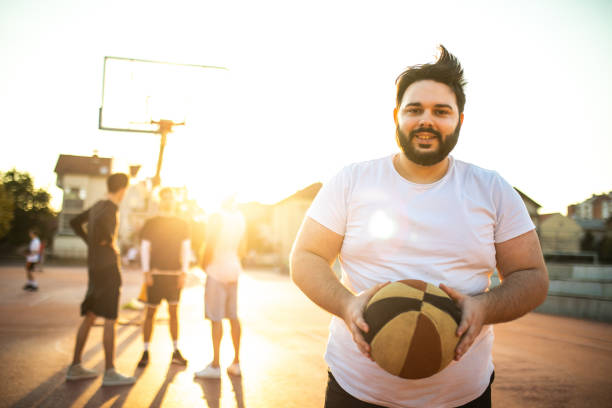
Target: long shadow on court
(103, 395)
(212, 391)
(237, 387)
(57, 392)
(173, 370)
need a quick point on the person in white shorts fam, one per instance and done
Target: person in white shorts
(32, 258)
(419, 214)
(225, 245)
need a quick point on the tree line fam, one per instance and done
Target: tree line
(23, 207)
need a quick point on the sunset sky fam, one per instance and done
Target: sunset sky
(312, 88)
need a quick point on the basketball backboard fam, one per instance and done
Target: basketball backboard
(136, 93)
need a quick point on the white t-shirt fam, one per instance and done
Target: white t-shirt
(34, 253)
(393, 229)
(225, 264)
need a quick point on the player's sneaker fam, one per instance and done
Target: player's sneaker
(112, 377)
(209, 372)
(234, 370)
(177, 358)
(78, 372)
(144, 360)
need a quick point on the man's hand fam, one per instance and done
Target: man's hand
(353, 317)
(148, 278)
(473, 313)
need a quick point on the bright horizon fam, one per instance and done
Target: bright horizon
(313, 89)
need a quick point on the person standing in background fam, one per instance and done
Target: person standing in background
(32, 258)
(225, 245)
(165, 251)
(104, 285)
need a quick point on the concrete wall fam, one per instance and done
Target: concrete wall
(581, 291)
(71, 247)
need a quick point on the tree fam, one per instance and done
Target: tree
(588, 242)
(30, 208)
(6, 211)
(605, 250)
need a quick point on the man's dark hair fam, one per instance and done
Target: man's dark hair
(116, 182)
(446, 70)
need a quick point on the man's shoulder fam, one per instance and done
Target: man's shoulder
(370, 164)
(165, 220)
(104, 205)
(357, 169)
(471, 170)
(150, 221)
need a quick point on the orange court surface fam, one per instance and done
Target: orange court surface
(540, 360)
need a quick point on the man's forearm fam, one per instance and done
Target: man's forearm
(313, 275)
(519, 293)
(145, 255)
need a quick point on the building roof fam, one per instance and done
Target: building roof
(595, 197)
(591, 224)
(89, 165)
(545, 216)
(527, 198)
(308, 193)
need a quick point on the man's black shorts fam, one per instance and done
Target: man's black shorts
(165, 286)
(103, 292)
(337, 397)
(30, 266)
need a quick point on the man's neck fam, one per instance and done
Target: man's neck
(419, 174)
(115, 198)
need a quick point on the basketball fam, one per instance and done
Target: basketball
(412, 328)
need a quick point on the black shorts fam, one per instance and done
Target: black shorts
(30, 266)
(165, 286)
(336, 397)
(103, 291)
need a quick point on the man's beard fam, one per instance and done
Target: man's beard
(427, 158)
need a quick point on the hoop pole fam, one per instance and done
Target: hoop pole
(165, 127)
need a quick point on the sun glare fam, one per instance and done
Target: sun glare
(381, 225)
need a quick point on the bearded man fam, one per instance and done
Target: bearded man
(419, 214)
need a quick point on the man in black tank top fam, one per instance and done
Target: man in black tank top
(104, 285)
(165, 253)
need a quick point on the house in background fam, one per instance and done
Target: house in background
(595, 230)
(83, 179)
(532, 207)
(136, 207)
(287, 217)
(594, 215)
(597, 207)
(559, 234)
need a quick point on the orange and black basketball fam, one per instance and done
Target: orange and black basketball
(412, 328)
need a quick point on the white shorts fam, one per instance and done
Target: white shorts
(220, 300)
